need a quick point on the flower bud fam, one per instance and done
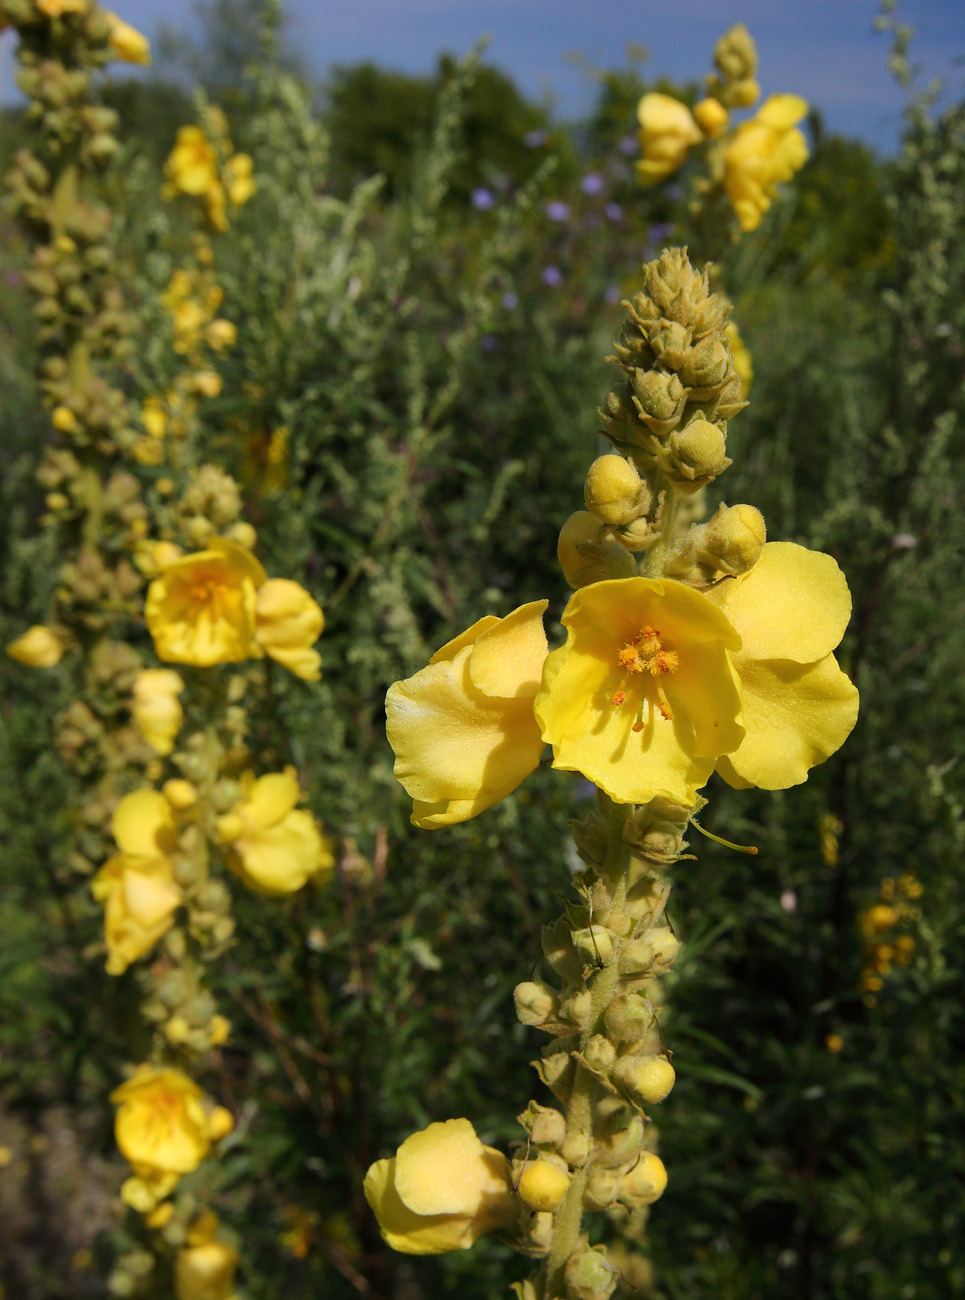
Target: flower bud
(653, 955)
(706, 366)
(559, 951)
(744, 93)
(711, 116)
(38, 647)
(594, 945)
(587, 554)
(599, 1054)
(535, 1003)
(578, 1006)
(646, 1080)
(736, 536)
(542, 1185)
(646, 1181)
(699, 453)
(546, 1126)
(660, 400)
(589, 1275)
(614, 491)
(64, 420)
(671, 344)
(628, 1018)
(180, 794)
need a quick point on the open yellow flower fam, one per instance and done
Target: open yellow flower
(642, 698)
(192, 165)
(764, 153)
(275, 847)
(201, 609)
(38, 647)
(790, 610)
(238, 178)
(667, 134)
(137, 886)
(205, 1268)
(164, 1130)
(462, 728)
(156, 709)
(441, 1190)
(287, 624)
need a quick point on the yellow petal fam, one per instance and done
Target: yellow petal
(406, 1231)
(782, 111)
(507, 660)
(469, 637)
(269, 799)
(445, 1169)
(794, 604)
(281, 858)
(149, 900)
(453, 742)
(796, 716)
(143, 824)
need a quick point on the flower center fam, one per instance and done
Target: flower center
(209, 594)
(645, 653)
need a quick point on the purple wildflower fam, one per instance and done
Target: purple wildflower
(592, 183)
(552, 275)
(510, 301)
(533, 139)
(612, 294)
(557, 210)
(482, 198)
(613, 212)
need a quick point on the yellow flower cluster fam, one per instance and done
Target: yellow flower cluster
(192, 300)
(195, 168)
(164, 1129)
(656, 686)
(754, 159)
(274, 846)
(883, 948)
(218, 606)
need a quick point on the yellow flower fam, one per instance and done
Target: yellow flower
(38, 647)
(275, 847)
(156, 709)
(163, 1130)
(239, 179)
(743, 362)
(643, 697)
(57, 8)
(287, 624)
(192, 165)
(205, 1268)
(764, 153)
(201, 609)
(220, 335)
(462, 728)
(440, 1191)
(137, 885)
(790, 610)
(667, 133)
(128, 44)
(712, 117)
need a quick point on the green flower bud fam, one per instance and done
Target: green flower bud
(546, 1126)
(535, 1003)
(599, 1054)
(659, 398)
(589, 1275)
(670, 342)
(698, 454)
(614, 491)
(628, 1018)
(601, 1189)
(594, 945)
(578, 1007)
(706, 366)
(575, 1149)
(559, 951)
(653, 955)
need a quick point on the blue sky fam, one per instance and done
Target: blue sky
(823, 49)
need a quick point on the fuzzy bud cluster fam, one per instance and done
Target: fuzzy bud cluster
(670, 413)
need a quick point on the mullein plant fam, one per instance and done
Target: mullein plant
(690, 648)
(170, 788)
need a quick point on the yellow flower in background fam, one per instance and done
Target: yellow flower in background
(201, 608)
(238, 178)
(667, 134)
(288, 622)
(164, 1131)
(220, 335)
(126, 42)
(642, 698)
(790, 610)
(275, 847)
(764, 153)
(136, 886)
(441, 1191)
(192, 165)
(38, 647)
(205, 1267)
(151, 555)
(741, 356)
(57, 8)
(462, 728)
(156, 709)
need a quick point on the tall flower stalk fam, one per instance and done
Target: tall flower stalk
(690, 648)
